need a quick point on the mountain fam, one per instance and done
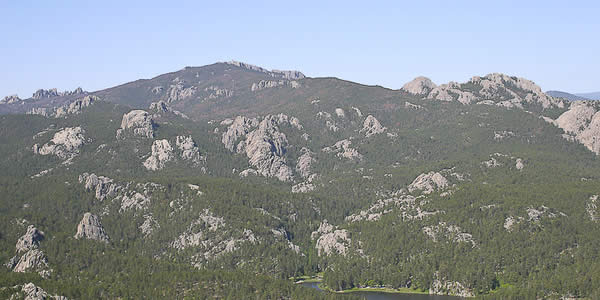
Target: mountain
(227, 180)
(565, 95)
(593, 96)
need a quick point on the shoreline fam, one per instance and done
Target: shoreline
(365, 289)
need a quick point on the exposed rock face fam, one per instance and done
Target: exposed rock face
(267, 84)
(32, 260)
(450, 232)
(428, 183)
(592, 208)
(519, 164)
(134, 200)
(331, 240)
(492, 89)
(340, 113)
(65, 144)
(264, 144)
(137, 122)
(303, 167)
(90, 228)
(582, 122)
(12, 99)
(393, 201)
(102, 186)
(42, 93)
(30, 240)
(162, 152)
(329, 122)
(274, 73)
(358, 112)
(371, 126)
(216, 92)
(188, 148)
(446, 287)
(163, 107)
(32, 292)
(149, 225)
(419, 86)
(75, 107)
(343, 149)
(306, 186)
(178, 91)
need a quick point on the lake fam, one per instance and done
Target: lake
(388, 296)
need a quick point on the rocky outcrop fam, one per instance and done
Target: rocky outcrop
(342, 149)
(12, 99)
(264, 144)
(591, 207)
(30, 291)
(42, 93)
(492, 89)
(30, 240)
(90, 228)
(162, 152)
(102, 186)
(340, 113)
(449, 232)
(427, 183)
(188, 150)
(65, 144)
(419, 86)
(306, 186)
(73, 108)
(149, 225)
(331, 240)
(32, 260)
(138, 122)
(134, 201)
(292, 75)
(305, 161)
(268, 84)
(162, 107)
(371, 126)
(179, 91)
(519, 164)
(582, 123)
(329, 122)
(217, 92)
(447, 287)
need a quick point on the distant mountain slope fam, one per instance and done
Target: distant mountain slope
(593, 95)
(565, 95)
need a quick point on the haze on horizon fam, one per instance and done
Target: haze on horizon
(100, 45)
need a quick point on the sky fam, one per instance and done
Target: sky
(100, 44)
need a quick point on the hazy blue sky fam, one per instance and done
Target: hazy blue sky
(99, 44)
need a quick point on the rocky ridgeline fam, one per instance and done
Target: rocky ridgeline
(492, 89)
(268, 84)
(65, 144)
(343, 149)
(91, 228)
(11, 99)
(29, 258)
(162, 107)
(292, 75)
(30, 291)
(264, 144)
(73, 108)
(581, 122)
(136, 122)
(51, 93)
(162, 152)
